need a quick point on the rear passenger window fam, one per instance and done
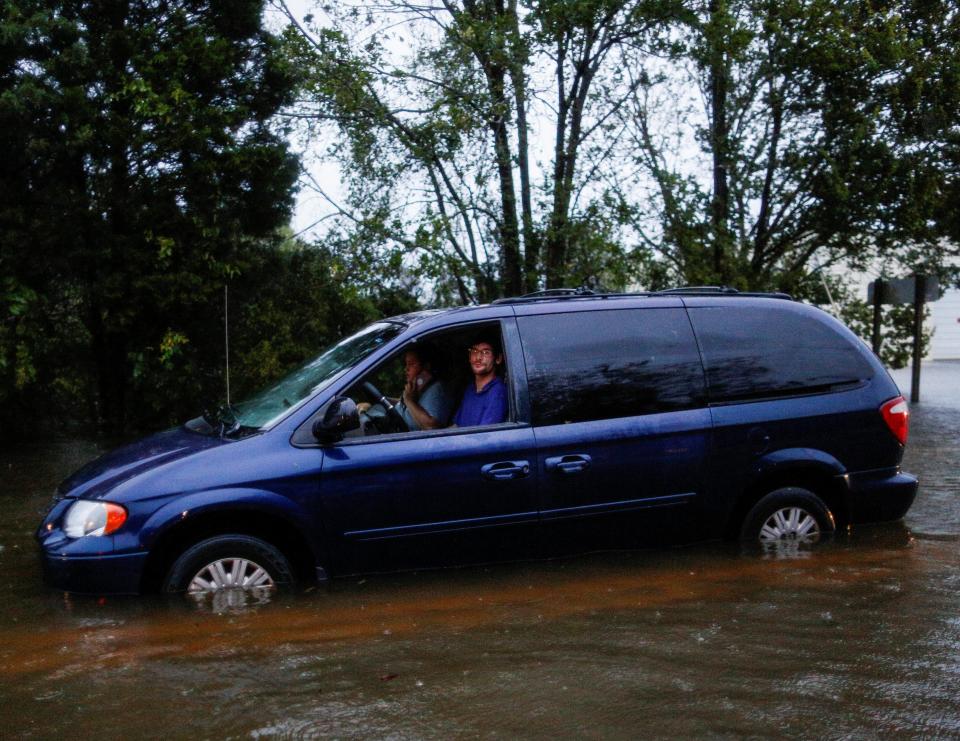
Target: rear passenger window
(604, 364)
(752, 352)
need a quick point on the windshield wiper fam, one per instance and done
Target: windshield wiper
(227, 416)
(223, 421)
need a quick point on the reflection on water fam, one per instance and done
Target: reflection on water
(786, 550)
(858, 636)
(231, 599)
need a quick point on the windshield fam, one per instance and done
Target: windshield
(272, 402)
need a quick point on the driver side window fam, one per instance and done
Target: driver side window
(407, 393)
(422, 386)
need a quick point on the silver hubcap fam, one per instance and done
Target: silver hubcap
(790, 523)
(229, 573)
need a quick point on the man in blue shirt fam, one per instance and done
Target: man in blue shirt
(484, 400)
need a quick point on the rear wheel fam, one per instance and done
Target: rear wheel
(229, 563)
(790, 514)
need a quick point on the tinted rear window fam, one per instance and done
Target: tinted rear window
(754, 352)
(604, 364)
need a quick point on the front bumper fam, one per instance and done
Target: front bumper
(101, 574)
(878, 496)
(90, 565)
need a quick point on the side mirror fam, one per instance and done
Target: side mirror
(340, 417)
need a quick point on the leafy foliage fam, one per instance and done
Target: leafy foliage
(435, 110)
(487, 147)
(806, 121)
(139, 173)
(739, 142)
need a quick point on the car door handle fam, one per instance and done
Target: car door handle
(567, 464)
(505, 470)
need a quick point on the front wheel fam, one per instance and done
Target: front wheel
(790, 514)
(237, 563)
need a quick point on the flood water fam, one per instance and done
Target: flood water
(859, 638)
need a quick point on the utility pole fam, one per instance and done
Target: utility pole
(919, 294)
(877, 314)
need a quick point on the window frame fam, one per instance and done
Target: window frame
(514, 376)
(831, 327)
(692, 351)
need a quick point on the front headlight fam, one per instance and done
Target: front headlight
(93, 518)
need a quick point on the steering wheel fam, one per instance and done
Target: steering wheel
(392, 412)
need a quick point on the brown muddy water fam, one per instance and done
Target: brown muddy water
(859, 638)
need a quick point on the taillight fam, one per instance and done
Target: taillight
(897, 416)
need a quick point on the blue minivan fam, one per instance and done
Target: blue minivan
(630, 420)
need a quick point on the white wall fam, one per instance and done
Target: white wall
(945, 320)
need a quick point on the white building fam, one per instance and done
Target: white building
(945, 321)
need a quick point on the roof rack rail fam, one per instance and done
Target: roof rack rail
(548, 293)
(720, 291)
(698, 289)
(583, 292)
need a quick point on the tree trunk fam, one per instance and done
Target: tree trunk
(490, 59)
(555, 245)
(511, 276)
(719, 139)
(110, 360)
(531, 250)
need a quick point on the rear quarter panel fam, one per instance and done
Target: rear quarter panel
(841, 429)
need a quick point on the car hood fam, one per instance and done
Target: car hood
(99, 476)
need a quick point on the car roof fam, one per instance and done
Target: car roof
(566, 299)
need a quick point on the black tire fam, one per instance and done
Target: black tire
(226, 549)
(788, 514)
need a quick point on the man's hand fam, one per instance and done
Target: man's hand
(411, 393)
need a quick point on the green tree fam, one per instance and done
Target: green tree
(312, 301)
(817, 133)
(288, 303)
(744, 142)
(139, 171)
(435, 111)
